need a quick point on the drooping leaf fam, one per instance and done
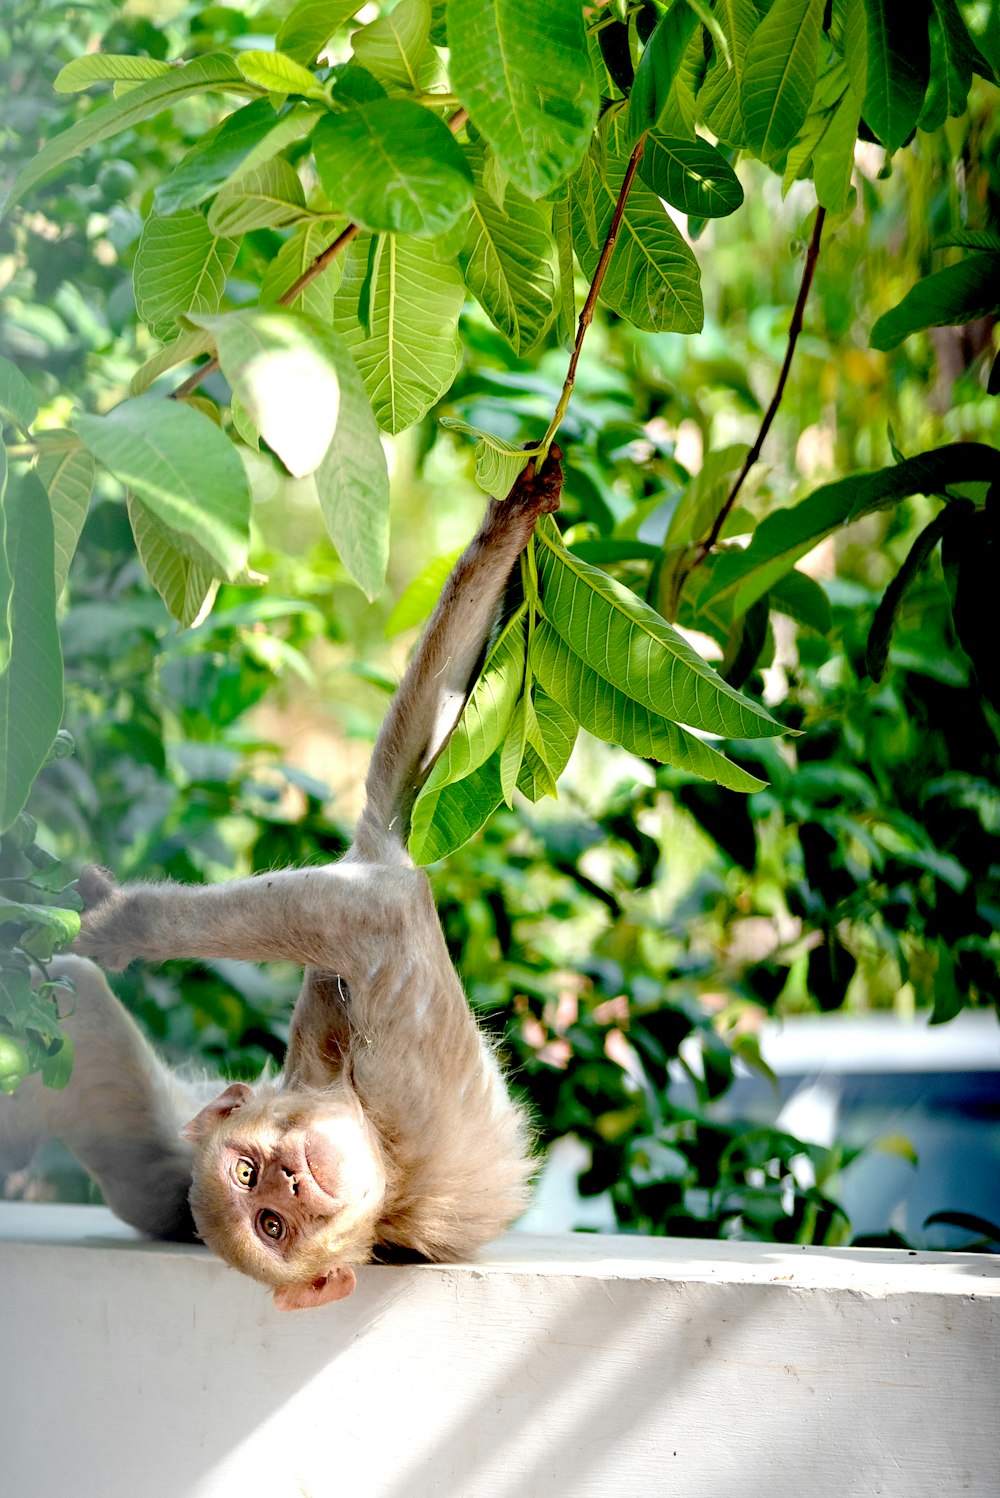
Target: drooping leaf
(310, 24)
(880, 634)
(183, 583)
(781, 60)
(392, 165)
(66, 470)
(498, 462)
(296, 255)
(396, 48)
(610, 715)
(803, 599)
(445, 818)
(524, 74)
(183, 469)
(507, 262)
(898, 69)
(719, 99)
(952, 61)
(279, 74)
(6, 578)
(785, 535)
(17, 399)
(513, 747)
(833, 160)
(653, 278)
(246, 138)
(268, 196)
(550, 736)
(692, 175)
(705, 495)
(658, 67)
(214, 72)
(408, 350)
(180, 266)
(953, 295)
(105, 67)
(631, 646)
(31, 686)
(487, 715)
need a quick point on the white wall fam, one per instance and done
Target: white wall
(577, 1366)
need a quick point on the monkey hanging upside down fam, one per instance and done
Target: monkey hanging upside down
(391, 1127)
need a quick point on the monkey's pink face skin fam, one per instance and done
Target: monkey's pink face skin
(283, 1186)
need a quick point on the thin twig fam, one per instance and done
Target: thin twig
(587, 315)
(314, 269)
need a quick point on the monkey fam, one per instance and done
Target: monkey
(391, 1130)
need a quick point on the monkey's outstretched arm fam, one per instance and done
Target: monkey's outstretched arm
(121, 1113)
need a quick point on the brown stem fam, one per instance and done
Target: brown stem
(314, 269)
(587, 315)
(794, 329)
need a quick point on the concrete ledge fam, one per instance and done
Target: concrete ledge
(577, 1366)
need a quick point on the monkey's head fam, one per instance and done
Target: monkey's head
(288, 1187)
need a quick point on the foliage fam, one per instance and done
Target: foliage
(309, 223)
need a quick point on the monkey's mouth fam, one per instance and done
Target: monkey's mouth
(322, 1170)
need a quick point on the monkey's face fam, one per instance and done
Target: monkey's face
(286, 1187)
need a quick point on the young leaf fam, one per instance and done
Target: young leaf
(31, 686)
(213, 72)
(487, 715)
(692, 175)
(180, 266)
(184, 469)
(953, 295)
(785, 535)
(880, 634)
(247, 138)
(523, 72)
(609, 714)
(498, 462)
(396, 48)
(658, 67)
(183, 583)
(105, 67)
(17, 399)
(780, 76)
(627, 643)
(66, 469)
(705, 495)
(653, 279)
(507, 262)
(719, 98)
(392, 165)
(268, 196)
(408, 352)
(310, 24)
(898, 69)
(417, 601)
(444, 818)
(279, 74)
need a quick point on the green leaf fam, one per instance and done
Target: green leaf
(180, 350)
(956, 294)
(408, 352)
(512, 752)
(268, 196)
(103, 67)
(969, 239)
(286, 370)
(418, 598)
(780, 75)
(551, 734)
(877, 648)
(653, 279)
(610, 715)
(396, 48)
(784, 536)
(833, 160)
(692, 175)
(705, 495)
(392, 165)
(562, 230)
(953, 58)
(31, 687)
(6, 580)
(498, 462)
(523, 72)
(279, 74)
(17, 399)
(180, 266)
(214, 72)
(487, 715)
(183, 469)
(628, 644)
(898, 69)
(719, 98)
(183, 583)
(507, 262)
(949, 999)
(855, 46)
(446, 818)
(352, 481)
(310, 24)
(66, 469)
(803, 599)
(296, 255)
(658, 67)
(249, 137)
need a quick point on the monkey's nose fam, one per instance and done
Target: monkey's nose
(292, 1180)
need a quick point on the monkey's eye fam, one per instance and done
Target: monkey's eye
(271, 1225)
(245, 1172)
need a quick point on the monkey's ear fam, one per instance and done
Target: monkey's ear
(235, 1095)
(334, 1285)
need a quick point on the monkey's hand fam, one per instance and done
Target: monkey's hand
(108, 927)
(537, 493)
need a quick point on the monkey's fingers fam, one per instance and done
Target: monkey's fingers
(94, 885)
